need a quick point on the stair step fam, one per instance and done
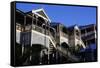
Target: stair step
(51, 46)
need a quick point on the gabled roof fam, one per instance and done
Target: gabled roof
(87, 26)
(41, 13)
(71, 28)
(20, 12)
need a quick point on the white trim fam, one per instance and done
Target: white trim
(35, 11)
(43, 11)
(46, 14)
(76, 27)
(40, 15)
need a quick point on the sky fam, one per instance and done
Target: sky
(67, 15)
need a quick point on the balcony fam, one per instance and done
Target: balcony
(28, 28)
(37, 28)
(88, 33)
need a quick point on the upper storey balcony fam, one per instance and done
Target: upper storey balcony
(88, 32)
(34, 21)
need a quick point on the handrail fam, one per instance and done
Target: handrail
(67, 53)
(37, 28)
(88, 33)
(82, 43)
(52, 38)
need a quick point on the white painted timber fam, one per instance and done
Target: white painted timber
(18, 36)
(63, 39)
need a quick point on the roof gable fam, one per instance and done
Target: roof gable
(76, 27)
(42, 13)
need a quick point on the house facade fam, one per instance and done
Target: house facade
(41, 41)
